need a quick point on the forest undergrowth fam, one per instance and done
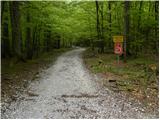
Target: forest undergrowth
(138, 78)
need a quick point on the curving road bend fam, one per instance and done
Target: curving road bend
(68, 90)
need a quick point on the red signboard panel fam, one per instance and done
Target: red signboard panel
(118, 48)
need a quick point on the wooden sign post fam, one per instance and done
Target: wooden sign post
(118, 46)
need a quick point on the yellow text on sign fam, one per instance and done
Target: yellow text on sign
(117, 38)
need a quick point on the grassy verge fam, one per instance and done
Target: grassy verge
(16, 77)
(138, 77)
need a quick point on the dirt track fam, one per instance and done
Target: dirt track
(68, 90)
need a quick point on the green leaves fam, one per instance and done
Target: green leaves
(76, 20)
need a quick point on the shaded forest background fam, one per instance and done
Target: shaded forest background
(31, 28)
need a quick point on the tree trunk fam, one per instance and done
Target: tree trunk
(34, 43)
(97, 14)
(156, 26)
(148, 29)
(138, 29)
(102, 30)
(91, 40)
(139, 17)
(126, 29)
(16, 32)
(100, 27)
(5, 44)
(48, 37)
(28, 38)
(5, 39)
(110, 23)
(2, 8)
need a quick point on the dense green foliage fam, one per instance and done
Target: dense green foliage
(33, 27)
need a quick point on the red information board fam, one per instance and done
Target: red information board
(118, 48)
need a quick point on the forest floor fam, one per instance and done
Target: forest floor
(67, 89)
(138, 78)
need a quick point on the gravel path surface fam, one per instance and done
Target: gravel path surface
(68, 90)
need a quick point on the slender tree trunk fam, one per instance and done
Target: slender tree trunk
(37, 49)
(97, 14)
(48, 37)
(97, 24)
(28, 38)
(126, 29)
(99, 9)
(2, 42)
(34, 43)
(16, 32)
(148, 29)
(91, 40)
(5, 31)
(139, 17)
(102, 30)
(137, 28)
(2, 8)
(156, 27)
(102, 26)
(110, 24)
(5, 39)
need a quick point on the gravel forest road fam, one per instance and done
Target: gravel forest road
(68, 90)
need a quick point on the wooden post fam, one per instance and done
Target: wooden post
(124, 48)
(118, 59)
